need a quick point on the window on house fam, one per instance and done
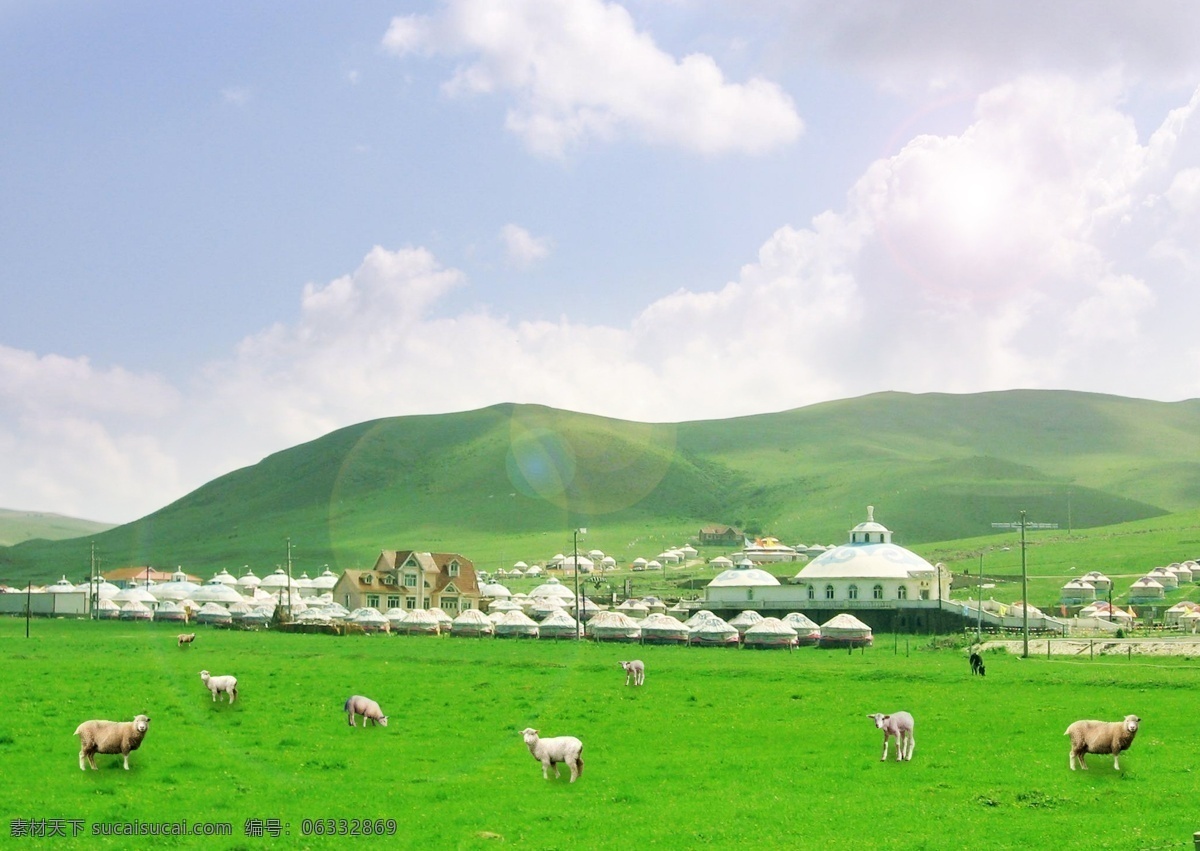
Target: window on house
(373, 601)
(410, 580)
(454, 568)
(450, 604)
(924, 595)
(393, 601)
(366, 579)
(428, 603)
(812, 593)
(828, 592)
(877, 592)
(902, 593)
(853, 592)
(410, 602)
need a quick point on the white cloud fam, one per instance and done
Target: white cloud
(237, 95)
(937, 44)
(522, 248)
(581, 70)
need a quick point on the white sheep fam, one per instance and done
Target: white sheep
(186, 638)
(110, 737)
(1101, 737)
(550, 752)
(367, 708)
(226, 684)
(635, 670)
(900, 725)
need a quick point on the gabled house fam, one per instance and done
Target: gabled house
(725, 536)
(406, 579)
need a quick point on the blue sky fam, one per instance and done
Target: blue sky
(227, 228)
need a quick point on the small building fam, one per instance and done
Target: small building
(721, 536)
(410, 580)
(1146, 590)
(1077, 592)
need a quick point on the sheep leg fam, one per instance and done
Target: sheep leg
(1116, 760)
(126, 760)
(92, 759)
(82, 757)
(885, 748)
(912, 744)
(545, 769)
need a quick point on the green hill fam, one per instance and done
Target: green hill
(509, 482)
(18, 526)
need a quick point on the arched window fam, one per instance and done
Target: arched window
(812, 592)
(877, 592)
(828, 592)
(902, 593)
(853, 592)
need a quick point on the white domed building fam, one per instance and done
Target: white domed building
(871, 568)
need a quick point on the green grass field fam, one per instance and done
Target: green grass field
(721, 748)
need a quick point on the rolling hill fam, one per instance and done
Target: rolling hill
(18, 526)
(511, 481)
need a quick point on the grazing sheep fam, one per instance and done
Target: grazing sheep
(977, 665)
(110, 737)
(186, 638)
(900, 725)
(635, 670)
(1101, 737)
(226, 684)
(550, 752)
(367, 708)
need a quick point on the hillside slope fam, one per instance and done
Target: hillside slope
(510, 481)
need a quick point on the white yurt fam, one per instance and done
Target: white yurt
(553, 588)
(1101, 610)
(421, 622)
(516, 573)
(135, 610)
(613, 626)
(216, 592)
(1182, 572)
(558, 624)
(239, 610)
(661, 628)
(444, 619)
(585, 609)
(1097, 580)
(595, 555)
(225, 578)
(845, 630)
(1077, 591)
(1146, 590)
(607, 563)
(494, 590)
(257, 616)
(654, 564)
(1165, 577)
(745, 619)
(586, 565)
(1172, 615)
(336, 611)
(107, 610)
(688, 551)
(496, 617)
(808, 631)
(62, 586)
(134, 595)
(638, 564)
(516, 625)
(169, 610)
(770, 633)
(395, 617)
(278, 583)
(313, 615)
(213, 613)
(543, 607)
(325, 581)
(709, 630)
(634, 609)
(472, 623)
(370, 619)
(247, 582)
(105, 590)
(178, 589)
(534, 571)
(503, 605)
(668, 557)
(721, 563)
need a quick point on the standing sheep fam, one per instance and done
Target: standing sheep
(110, 737)
(226, 684)
(367, 708)
(550, 752)
(186, 638)
(900, 725)
(1101, 737)
(635, 670)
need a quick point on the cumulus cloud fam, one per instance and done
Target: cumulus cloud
(578, 70)
(522, 248)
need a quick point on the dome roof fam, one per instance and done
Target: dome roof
(742, 576)
(553, 588)
(869, 555)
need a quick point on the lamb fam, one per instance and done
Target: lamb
(550, 752)
(1101, 737)
(900, 725)
(226, 684)
(367, 708)
(110, 737)
(636, 670)
(186, 638)
(977, 665)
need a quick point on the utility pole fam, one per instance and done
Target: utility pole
(1023, 525)
(93, 591)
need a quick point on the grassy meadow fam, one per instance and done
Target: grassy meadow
(721, 748)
